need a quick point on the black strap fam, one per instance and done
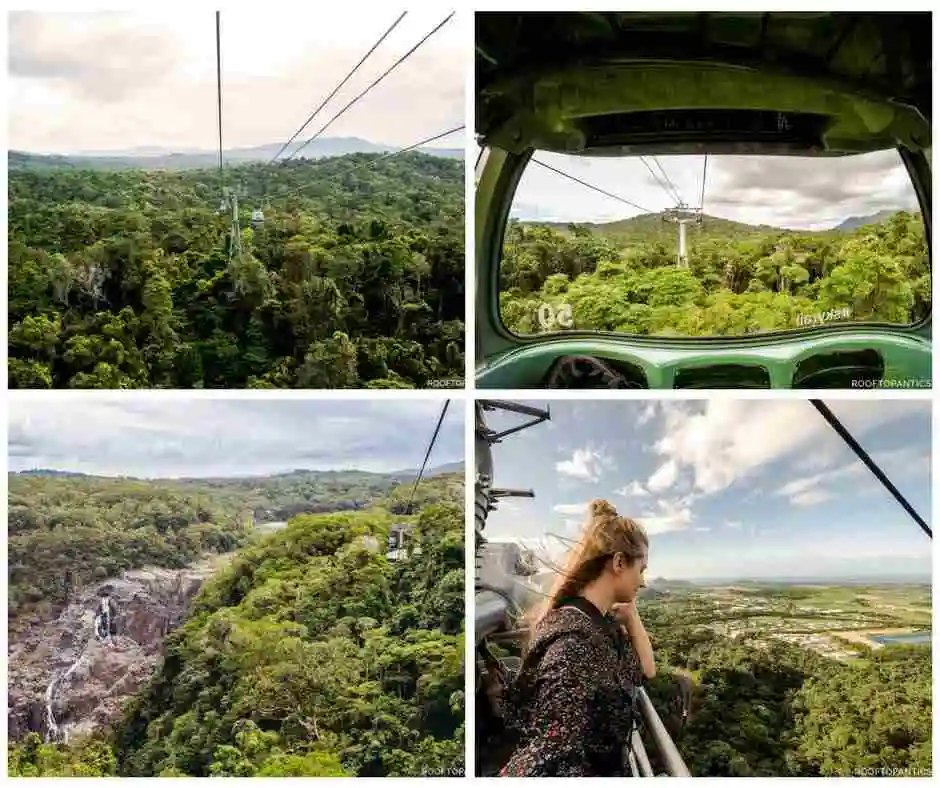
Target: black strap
(606, 623)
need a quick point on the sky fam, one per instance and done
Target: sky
(725, 488)
(781, 191)
(112, 81)
(167, 438)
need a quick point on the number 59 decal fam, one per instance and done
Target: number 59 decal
(551, 317)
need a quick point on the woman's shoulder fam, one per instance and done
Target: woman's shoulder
(567, 629)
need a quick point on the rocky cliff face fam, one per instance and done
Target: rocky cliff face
(70, 676)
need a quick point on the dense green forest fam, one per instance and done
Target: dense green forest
(740, 279)
(65, 530)
(123, 279)
(310, 654)
(782, 710)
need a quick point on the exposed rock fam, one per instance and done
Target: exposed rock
(67, 677)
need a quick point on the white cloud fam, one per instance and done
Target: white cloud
(664, 477)
(633, 490)
(811, 498)
(702, 528)
(111, 435)
(109, 81)
(733, 439)
(570, 508)
(806, 192)
(647, 414)
(734, 524)
(673, 515)
(586, 464)
(816, 489)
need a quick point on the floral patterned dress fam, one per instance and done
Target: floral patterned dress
(571, 707)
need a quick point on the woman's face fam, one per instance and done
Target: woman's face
(629, 577)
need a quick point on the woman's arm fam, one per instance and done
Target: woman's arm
(562, 721)
(629, 616)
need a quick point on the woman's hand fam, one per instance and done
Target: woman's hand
(625, 612)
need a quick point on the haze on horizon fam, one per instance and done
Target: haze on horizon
(209, 438)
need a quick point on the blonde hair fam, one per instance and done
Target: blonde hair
(605, 534)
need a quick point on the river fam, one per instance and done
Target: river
(907, 639)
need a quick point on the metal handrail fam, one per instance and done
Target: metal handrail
(639, 761)
(665, 746)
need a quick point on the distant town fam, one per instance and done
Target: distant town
(841, 622)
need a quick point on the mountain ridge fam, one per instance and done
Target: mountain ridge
(653, 223)
(157, 158)
(437, 470)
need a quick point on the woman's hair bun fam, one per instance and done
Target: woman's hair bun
(602, 508)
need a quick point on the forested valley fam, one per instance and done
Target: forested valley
(131, 279)
(309, 652)
(741, 279)
(781, 710)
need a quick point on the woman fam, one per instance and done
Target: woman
(571, 707)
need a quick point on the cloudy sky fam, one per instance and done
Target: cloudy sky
(108, 81)
(726, 488)
(782, 191)
(115, 436)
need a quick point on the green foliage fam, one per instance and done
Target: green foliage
(123, 279)
(312, 654)
(65, 531)
(32, 758)
(741, 280)
(781, 710)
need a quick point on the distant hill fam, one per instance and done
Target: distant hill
(49, 472)
(854, 222)
(150, 158)
(300, 474)
(650, 226)
(437, 470)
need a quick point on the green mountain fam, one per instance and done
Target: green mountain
(854, 222)
(165, 159)
(651, 227)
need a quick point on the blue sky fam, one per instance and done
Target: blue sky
(725, 488)
(781, 191)
(171, 437)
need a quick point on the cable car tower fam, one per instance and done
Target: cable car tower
(229, 205)
(682, 215)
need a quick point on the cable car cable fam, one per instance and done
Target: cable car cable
(370, 162)
(668, 181)
(422, 142)
(336, 89)
(656, 178)
(590, 186)
(394, 65)
(218, 68)
(830, 417)
(427, 455)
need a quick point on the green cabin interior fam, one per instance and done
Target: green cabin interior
(645, 84)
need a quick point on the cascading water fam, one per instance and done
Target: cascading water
(101, 629)
(103, 619)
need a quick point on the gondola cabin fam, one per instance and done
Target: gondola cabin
(398, 540)
(257, 218)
